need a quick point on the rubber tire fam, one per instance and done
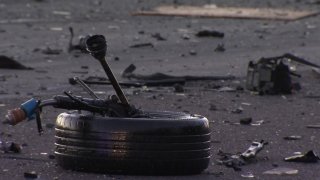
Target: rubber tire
(158, 143)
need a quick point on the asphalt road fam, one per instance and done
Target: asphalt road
(28, 27)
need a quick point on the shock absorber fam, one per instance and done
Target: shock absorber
(27, 110)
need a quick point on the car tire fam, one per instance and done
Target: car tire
(152, 143)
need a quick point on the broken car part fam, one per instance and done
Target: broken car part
(309, 157)
(235, 161)
(253, 150)
(81, 46)
(128, 73)
(111, 136)
(85, 87)
(272, 75)
(97, 46)
(131, 83)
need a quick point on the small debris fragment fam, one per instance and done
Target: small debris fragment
(246, 104)
(62, 13)
(213, 107)
(81, 46)
(116, 58)
(31, 175)
(210, 33)
(226, 89)
(10, 147)
(253, 150)
(293, 137)
(142, 45)
(50, 51)
(9, 63)
(84, 67)
(247, 175)
(281, 171)
(246, 121)
(185, 37)
(193, 52)
(220, 48)
(257, 123)
(239, 110)
(309, 157)
(56, 28)
(51, 156)
(158, 37)
(313, 126)
(178, 88)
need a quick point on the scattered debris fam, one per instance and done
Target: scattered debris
(31, 175)
(212, 11)
(9, 63)
(309, 157)
(142, 45)
(272, 75)
(128, 73)
(50, 51)
(235, 161)
(230, 160)
(246, 121)
(158, 37)
(210, 33)
(281, 171)
(81, 46)
(293, 137)
(220, 48)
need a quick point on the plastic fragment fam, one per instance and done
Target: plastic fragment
(309, 157)
(247, 175)
(281, 171)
